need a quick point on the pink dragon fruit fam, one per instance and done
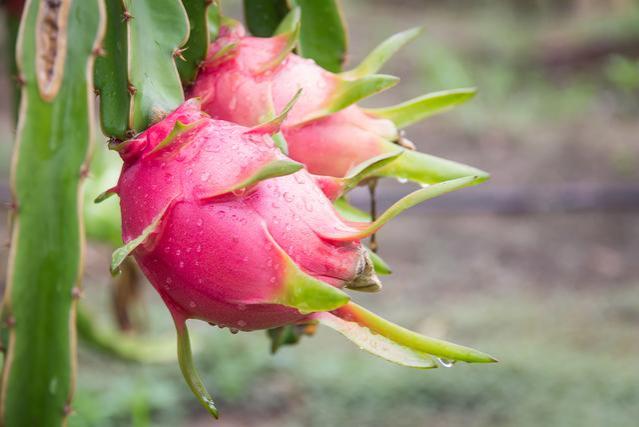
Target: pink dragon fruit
(230, 231)
(245, 79)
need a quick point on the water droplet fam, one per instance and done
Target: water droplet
(272, 279)
(402, 180)
(308, 205)
(181, 264)
(245, 259)
(199, 222)
(241, 307)
(299, 178)
(178, 252)
(289, 197)
(444, 363)
(288, 227)
(189, 171)
(233, 331)
(241, 323)
(192, 304)
(198, 248)
(205, 176)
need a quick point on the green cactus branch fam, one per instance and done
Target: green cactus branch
(54, 130)
(137, 76)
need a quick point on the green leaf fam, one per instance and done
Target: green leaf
(121, 253)
(323, 37)
(195, 49)
(381, 267)
(55, 128)
(367, 168)
(290, 23)
(381, 54)
(155, 32)
(304, 292)
(350, 212)
(426, 169)
(263, 17)
(105, 195)
(290, 38)
(395, 343)
(187, 366)
(424, 106)
(213, 20)
(273, 126)
(111, 75)
(348, 92)
(179, 128)
(377, 344)
(269, 170)
(359, 316)
(404, 203)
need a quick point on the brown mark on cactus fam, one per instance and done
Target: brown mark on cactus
(51, 46)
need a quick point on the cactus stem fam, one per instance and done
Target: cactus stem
(126, 16)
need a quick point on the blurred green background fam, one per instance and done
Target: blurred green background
(537, 267)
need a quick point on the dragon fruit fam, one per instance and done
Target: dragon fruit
(245, 79)
(232, 232)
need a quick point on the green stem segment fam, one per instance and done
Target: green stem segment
(185, 359)
(55, 127)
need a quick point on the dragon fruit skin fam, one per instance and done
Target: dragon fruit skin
(245, 79)
(232, 232)
(216, 255)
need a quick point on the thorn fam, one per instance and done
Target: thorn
(76, 293)
(10, 321)
(99, 51)
(132, 90)
(20, 80)
(126, 16)
(13, 206)
(68, 409)
(84, 171)
(96, 91)
(129, 134)
(177, 53)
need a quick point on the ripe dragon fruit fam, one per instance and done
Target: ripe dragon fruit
(245, 79)
(232, 232)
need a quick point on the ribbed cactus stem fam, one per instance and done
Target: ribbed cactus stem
(56, 47)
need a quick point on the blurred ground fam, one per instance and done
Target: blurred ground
(551, 289)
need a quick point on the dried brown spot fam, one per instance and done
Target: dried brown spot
(126, 16)
(51, 46)
(132, 89)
